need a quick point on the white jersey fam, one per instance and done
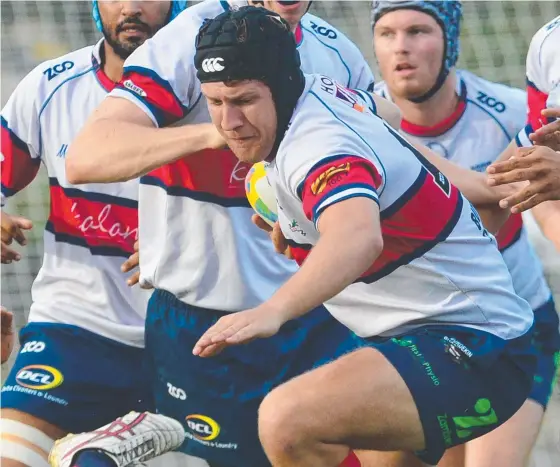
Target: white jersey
(201, 244)
(91, 228)
(437, 256)
(543, 78)
(486, 120)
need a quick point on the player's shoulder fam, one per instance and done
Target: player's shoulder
(331, 37)
(548, 34)
(503, 102)
(50, 75)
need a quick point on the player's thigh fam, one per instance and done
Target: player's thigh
(74, 379)
(454, 457)
(358, 399)
(388, 459)
(450, 383)
(26, 440)
(510, 444)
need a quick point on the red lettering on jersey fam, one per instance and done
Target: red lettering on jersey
(17, 166)
(510, 232)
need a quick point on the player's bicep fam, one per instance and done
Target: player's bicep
(352, 214)
(115, 108)
(336, 179)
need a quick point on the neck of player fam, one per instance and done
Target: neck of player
(436, 109)
(112, 64)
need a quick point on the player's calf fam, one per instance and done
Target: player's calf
(26, 440)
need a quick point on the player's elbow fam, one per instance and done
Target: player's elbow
(86, 161)
(370, 244)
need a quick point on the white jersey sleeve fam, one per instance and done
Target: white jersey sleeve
(20, 139)
(543, 78)
(160, 76)
(337, 169)
(327, 51)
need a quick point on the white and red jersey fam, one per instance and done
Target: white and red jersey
(91, 229)
(486, 120)
(437, 257)
(200, 243)
(543, 78)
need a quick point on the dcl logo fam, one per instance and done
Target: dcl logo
(40, 377)
(204, 427)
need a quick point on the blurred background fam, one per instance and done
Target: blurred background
(494, 42)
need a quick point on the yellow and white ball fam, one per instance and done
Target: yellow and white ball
(261, 194)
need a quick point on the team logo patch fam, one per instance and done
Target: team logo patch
(211, 65)
(39, 377)
(203, 427)
(320, 183)
(349, 98)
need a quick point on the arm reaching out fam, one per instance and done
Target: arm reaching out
(120, 142)
(303, 291)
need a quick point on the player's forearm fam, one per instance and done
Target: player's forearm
(337, 260)
(109, 150)
(547, 216)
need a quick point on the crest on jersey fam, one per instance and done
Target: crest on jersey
(320, 183)
(350, 98)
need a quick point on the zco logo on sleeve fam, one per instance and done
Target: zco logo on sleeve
(210, 65)
(39, 377)
(203, 427)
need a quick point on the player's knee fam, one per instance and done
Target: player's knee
(22, 444)
(281, 428)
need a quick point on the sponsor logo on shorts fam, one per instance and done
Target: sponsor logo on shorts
(206, 430)
(203, 427)
(176, 392)
(39, 377)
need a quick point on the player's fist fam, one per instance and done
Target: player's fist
(213, 136)
(7, 333)
(12, 229)
(548, 135)
(275, 233)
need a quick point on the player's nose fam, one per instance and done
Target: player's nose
(131, 8)
(232, 118)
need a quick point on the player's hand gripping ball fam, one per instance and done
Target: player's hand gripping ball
(261, 194)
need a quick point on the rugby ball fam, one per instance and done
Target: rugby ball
(261, 194)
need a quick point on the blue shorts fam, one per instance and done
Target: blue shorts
(217, 398)
(465, 382)
(74, 379)
(546, 341)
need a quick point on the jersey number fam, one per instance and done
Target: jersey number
(329, 33)
(439, 179)
(59, 68)
(488, 101)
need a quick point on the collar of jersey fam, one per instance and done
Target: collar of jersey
(105, 82)
(443, 126)
(298, 33)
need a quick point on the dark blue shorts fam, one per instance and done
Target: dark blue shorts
(465, 382)
(75, 379)
(217, 398)
(546, 341)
